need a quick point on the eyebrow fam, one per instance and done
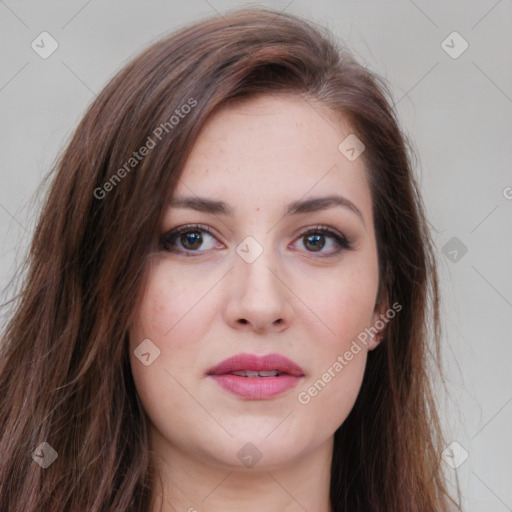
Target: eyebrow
(203, 204)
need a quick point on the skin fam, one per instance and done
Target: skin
(258, 156)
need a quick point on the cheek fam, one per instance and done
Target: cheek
(171, 306)
(332, 387)
(168, 315)
(331, 396)
(343, 301)
(176, 311)
(172, 315)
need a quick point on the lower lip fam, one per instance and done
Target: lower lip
(256, 388)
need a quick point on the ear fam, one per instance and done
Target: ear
(378, 324)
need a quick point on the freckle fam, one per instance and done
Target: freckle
(257, 209)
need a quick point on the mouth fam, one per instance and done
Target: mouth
(257, 377)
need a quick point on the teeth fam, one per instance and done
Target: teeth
(254, 373)
(269, 373)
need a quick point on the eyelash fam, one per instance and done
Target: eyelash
(167, 239)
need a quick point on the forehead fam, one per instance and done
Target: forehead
(273, 149)
(282, 125)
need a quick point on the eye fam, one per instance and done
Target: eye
(315, 240)
(188, 239)
(192, 239)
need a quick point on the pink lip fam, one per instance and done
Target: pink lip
(257, 388)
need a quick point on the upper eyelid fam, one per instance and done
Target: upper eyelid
(185, 228)
(200, 227)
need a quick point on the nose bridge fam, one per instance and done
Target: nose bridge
(258, 297)
(254, 265)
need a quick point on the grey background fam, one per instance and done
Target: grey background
(457, 112)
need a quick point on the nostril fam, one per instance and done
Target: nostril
(243, 321)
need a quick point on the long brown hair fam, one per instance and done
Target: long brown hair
(65, 376)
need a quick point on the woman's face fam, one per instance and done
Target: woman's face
(272, 276)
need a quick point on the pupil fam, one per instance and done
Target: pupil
(317, 241)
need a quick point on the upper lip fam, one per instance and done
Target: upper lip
(256, 363)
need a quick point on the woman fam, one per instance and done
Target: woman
(229, 292)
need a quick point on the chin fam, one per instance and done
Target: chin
(257, 450)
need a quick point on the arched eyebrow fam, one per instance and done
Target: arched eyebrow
(301, 206)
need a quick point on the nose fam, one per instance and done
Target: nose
(258, 299)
